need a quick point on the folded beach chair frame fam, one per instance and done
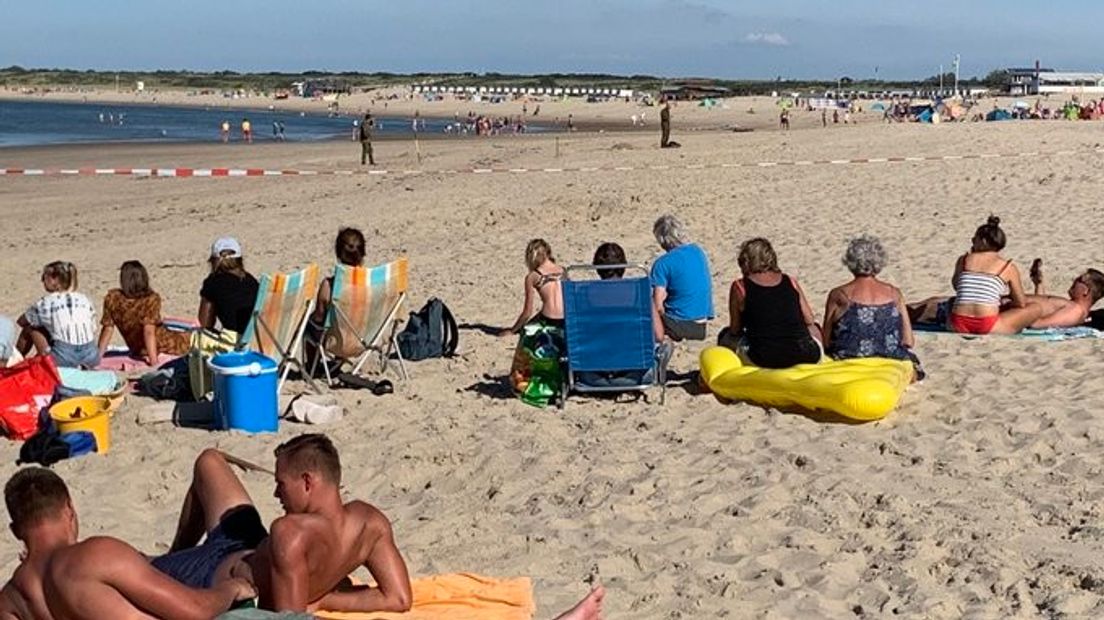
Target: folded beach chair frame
(289, 353)
(301, 295)
(610, 342)
(360, 297)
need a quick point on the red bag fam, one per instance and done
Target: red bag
(25, 389)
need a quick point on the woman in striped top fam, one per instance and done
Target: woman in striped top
(982, 278)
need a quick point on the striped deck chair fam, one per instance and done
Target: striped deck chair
(361, 317)
(280, 314)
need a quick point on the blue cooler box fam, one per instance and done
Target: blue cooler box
(245, 392)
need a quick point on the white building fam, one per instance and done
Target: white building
(1048, 81)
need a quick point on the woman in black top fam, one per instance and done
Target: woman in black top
(229, 292)
(769, 310)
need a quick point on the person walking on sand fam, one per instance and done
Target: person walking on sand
(364, 133)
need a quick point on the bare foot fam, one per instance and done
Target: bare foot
(590, 608)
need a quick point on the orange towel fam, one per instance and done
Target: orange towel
(459, 596)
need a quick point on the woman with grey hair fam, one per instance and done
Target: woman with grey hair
(867, 317)
(682, 286)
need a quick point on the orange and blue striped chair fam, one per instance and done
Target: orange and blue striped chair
(361, 318)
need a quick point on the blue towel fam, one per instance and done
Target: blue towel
(96, 382)
(1051, 334)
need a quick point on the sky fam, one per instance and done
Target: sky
(791, 39)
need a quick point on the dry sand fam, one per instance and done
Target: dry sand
(980, 497)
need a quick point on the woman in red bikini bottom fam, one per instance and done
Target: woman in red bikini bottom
(982, 277)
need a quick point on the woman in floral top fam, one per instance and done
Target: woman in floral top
(866, 317)
(135, 310)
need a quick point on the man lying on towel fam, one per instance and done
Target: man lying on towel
(1084, 292)
(60, 578)
(303, 562)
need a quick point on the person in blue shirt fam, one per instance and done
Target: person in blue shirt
(682, 288)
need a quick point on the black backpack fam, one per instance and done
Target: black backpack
(429, 332)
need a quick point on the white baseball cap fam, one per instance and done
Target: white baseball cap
(226, 244)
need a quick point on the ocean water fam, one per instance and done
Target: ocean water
(31, 123)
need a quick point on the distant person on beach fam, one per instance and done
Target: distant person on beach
(60, 578)
(784, 119)
(229, 292)
(135, 310)
(364, 134)
(543, 283)
(224, 131)
(770, 319)
(62, 323)
(247, 131)
(570, 122)
(665, 124)
(682, 286)
(824, 117)
(867, 317)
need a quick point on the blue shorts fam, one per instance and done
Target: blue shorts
(75, 355)
(240, 529)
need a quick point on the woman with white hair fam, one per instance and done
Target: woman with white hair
(867, 317)
(682, 286)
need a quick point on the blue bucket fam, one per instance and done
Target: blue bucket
(245, 392)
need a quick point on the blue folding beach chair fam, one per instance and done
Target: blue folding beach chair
(608, 326)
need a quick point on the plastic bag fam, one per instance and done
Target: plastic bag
(537, 372)
(25, 389)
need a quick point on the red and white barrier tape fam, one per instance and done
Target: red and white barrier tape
(265, 172)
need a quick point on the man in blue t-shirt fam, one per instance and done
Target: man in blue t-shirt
(682, 287)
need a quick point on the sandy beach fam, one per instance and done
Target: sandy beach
(979, 497)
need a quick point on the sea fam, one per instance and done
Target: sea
(34, 123)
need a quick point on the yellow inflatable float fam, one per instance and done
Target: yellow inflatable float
(860, 389)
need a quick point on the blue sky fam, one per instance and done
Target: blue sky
(732, 39)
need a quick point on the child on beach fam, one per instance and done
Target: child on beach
(543, 280)
(62, 323)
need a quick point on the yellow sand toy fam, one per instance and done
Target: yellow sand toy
(860, 389)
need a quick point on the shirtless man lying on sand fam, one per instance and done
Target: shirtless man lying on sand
(1053, 311)
(303, 562)
(59, 578)
(1084, 292)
